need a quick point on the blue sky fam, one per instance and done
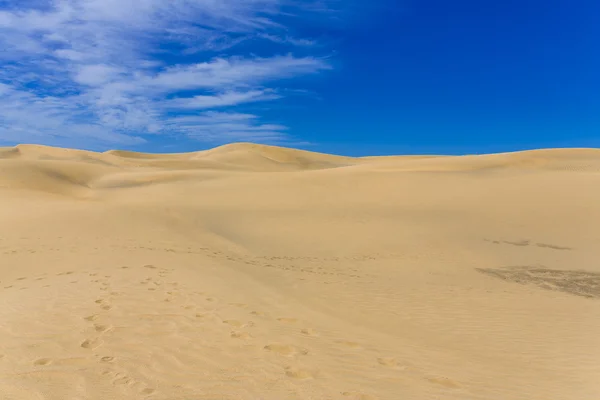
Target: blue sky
(348, 77)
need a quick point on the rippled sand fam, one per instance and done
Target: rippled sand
(255, 272)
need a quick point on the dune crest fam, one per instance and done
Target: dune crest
(260, 272)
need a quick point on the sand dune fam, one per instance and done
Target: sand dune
(258, 272)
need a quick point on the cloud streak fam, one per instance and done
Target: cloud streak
(225, 99)
(116, 72)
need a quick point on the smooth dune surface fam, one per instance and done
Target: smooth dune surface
(256, 272)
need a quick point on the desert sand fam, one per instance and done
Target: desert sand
(255, 272)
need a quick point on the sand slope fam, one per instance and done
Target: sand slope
(257, 272)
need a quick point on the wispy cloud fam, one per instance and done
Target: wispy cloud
(226, 126)
(288, 40)
(221, 100)
(116, 71)
(223, 73)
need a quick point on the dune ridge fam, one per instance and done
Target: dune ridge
(260, 272)
(115, 168)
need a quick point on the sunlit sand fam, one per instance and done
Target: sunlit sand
(255, 272)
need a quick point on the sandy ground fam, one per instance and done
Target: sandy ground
(252, 272)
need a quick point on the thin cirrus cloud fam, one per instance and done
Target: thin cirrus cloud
(201, 102)
(101, 71)
(213, 125)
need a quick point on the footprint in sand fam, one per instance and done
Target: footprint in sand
(107, 359)
(234, 322)
(42, 362)
(207, 316)
(285, 350)
(150, 266)
(309, 332)
(91, 317)
(240, 335)
(287, 320)
(258, 313)
(102, 328)
(390, 362)
(298, 373)
(103, 304)
(122, 379)
(21, 279)
(349, 344)
(239, 324)
(91, 344)
(446, 382)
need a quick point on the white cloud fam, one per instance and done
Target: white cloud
(221, 72)
(96, 75)
(69, 54)
(220, 127)
(102, 69)
(4, 89)
(221, 100)
(50, 119)
(288, 40)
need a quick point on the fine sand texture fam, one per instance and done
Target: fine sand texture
(252, 272)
